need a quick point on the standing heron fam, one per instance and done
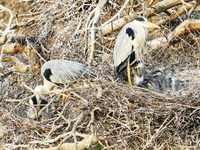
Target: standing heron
(59, 73)
(131, 45)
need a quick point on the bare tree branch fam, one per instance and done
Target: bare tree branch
(94, 25)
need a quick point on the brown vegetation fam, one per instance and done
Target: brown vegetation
(103, 112)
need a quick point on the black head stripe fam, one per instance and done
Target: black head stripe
(140, 19)
(34, 100)
(47, 74)
(130, 32)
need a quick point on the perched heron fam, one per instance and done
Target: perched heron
(59, 73)
(158, 82)
(131, 45)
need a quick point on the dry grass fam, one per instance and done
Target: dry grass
(121, 116)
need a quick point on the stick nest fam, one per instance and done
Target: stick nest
(103, 110)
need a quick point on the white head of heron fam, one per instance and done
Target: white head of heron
(143, 22)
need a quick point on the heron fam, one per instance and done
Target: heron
(175, 84)
(59, 73)
(155, 81)
(138, 70)
(131, 45)
(158, 82)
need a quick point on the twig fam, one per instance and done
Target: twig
(94, 24)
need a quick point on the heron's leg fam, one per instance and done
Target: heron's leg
(63, 98)
(129, 72)
(36, 113)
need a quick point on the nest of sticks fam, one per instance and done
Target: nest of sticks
(102, 112)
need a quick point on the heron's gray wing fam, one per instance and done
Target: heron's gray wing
(62, 71)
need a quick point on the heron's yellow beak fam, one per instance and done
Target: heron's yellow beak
(149, 24)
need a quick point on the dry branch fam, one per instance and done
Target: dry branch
(94, 25)
(86, 142)
(184, 28)
(162, 7)
(109, 25)
(7, 30)
(19, 67)
(118, 24)
(11, 48)
(175, 14)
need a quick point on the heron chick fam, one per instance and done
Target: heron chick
(155, 81)
(138, 70)
(131, 45)
(158, 82)
(59, 73)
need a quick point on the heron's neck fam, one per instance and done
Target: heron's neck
(48, 85)
(40, 88)
(37, 98)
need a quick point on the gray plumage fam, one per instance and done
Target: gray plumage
(175, 85)
(61, 72)
(138, 70)
(155, 81)
(158, 82)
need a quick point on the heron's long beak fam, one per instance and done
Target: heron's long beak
(149, 24)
